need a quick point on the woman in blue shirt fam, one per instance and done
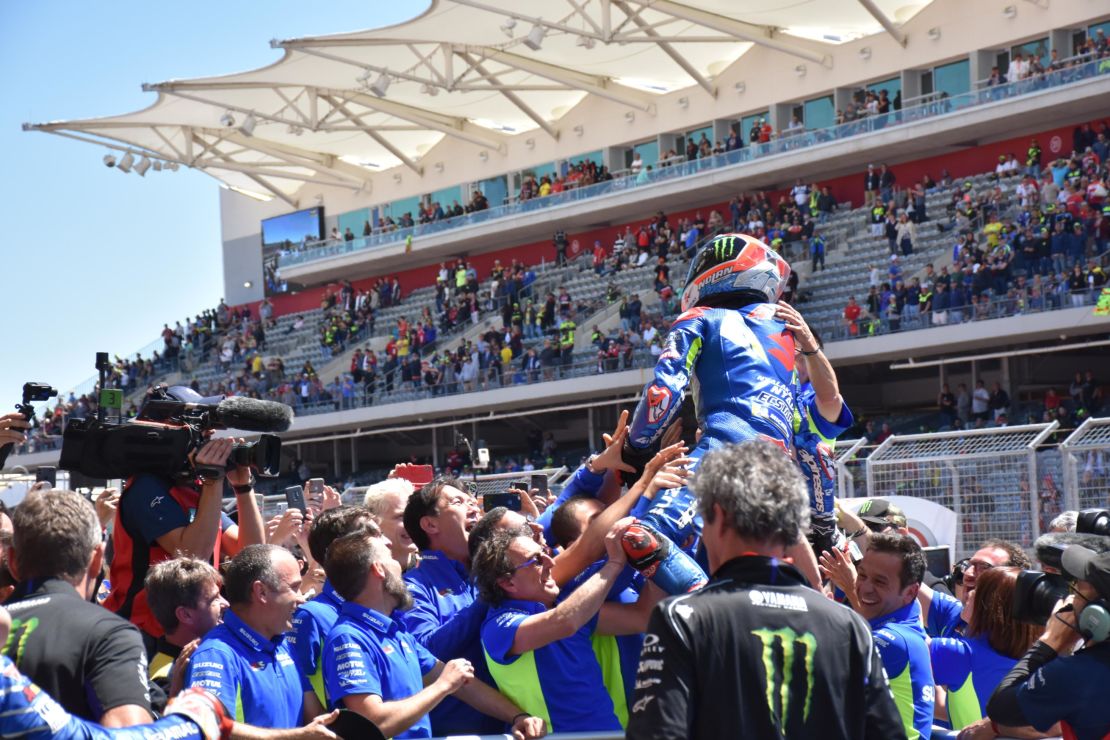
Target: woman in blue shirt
(971, 665)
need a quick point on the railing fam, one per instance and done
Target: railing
(930, 109)
(995, 307)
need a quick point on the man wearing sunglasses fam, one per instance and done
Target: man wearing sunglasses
(943, 611)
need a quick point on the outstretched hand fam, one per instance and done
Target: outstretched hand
(610, 457)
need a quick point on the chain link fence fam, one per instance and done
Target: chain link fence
(987, 476)
(1086, 465)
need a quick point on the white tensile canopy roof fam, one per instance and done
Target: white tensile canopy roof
(335, 109)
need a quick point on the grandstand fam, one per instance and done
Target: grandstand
(326, 133)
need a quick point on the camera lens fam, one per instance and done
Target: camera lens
(1093, 521)
(1036, 594)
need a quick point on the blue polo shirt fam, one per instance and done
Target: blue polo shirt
(368, 653)
(255, 678)
(900, 640)
(446, 617)
(560, 682)
(944, 615)
(582, 482)
(971, 670)
(311, 624)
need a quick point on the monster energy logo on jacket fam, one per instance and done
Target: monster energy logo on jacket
(724, 247)
(787, 657)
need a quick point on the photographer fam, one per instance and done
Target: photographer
(160, 517)
(1053, 682)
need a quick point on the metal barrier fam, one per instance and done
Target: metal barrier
(849, 460)
(987, 476)
(1086, 459)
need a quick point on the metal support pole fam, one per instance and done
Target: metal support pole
(1034, 499)
(335, 457)
(354, 454)
(956, 501)
(435, 447)
(590, 427)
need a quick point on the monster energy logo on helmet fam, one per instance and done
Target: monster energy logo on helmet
(793, 648)
(725, 246)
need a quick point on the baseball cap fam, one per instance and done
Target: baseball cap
(1090, 566)
(881, 513)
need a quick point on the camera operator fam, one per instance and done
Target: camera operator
(89, 659)
(161, 517)
(1053, 682)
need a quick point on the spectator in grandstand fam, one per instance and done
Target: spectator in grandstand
(980, 401)
(870, 186)
(374, 667)
(999, 401)
(963, 403)
(184, 596)
(701, 674)
(886, 183)
(244, 661)
(852, 313)
(971, 665)
(92, 661)
(1053, 683)
(905, 234)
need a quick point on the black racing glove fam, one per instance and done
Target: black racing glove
(823, 534)
(638, 458)
(645, 548)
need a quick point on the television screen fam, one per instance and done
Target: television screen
(287, 233)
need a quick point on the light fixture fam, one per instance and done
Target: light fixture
(142, 167)
(1010, 11)
(294, 130)
(586, 42)
(800, 70)
(629, 116)
(429, 90)
(247, 283)
(366, 75)
(508, 26)
(157, 166)
(740, 87)
(171, 166)
(530, 143)
(439, 166)
(380, 85)
(934, 33)
(397, 177)
(534, 39)
(483, 155)
(227, 119)
(684, 102)
(865, 53)
(247, 127)
(109, 160)
(125, 163)
(578, 130)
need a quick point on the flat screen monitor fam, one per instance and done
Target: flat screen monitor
(287, 233)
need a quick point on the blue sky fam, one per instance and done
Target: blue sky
(95, 259)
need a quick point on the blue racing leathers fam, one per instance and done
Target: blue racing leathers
(814, 443)
(739, 364)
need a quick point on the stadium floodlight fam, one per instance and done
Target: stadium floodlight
(865, 53)
(934, 33)
(534, 39)
(109, 160)
(247, 127)
(125, 163)
(800, 70)
(380, 85)
(366, 75)
(172, 165)
(227, 119)
(157, 166)
(508, 26)
(629, 116)
(429, 90)
(586, 42)
(142, 167)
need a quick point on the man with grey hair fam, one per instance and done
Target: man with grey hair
(386, 502)
(92, 661)
(756, 652)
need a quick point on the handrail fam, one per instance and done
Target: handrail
(867, 124)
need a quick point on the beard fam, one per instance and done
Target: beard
(396, 588)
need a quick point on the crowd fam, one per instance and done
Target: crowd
(1035, 245)
(427, 611)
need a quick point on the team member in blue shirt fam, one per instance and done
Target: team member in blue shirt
(540, 653)
(942, 612)
(445, 616)
(970, 666)
(885, 594)
(314, 619)
(244, 661)
(374, 667)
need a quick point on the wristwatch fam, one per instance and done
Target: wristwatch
(245, 487)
